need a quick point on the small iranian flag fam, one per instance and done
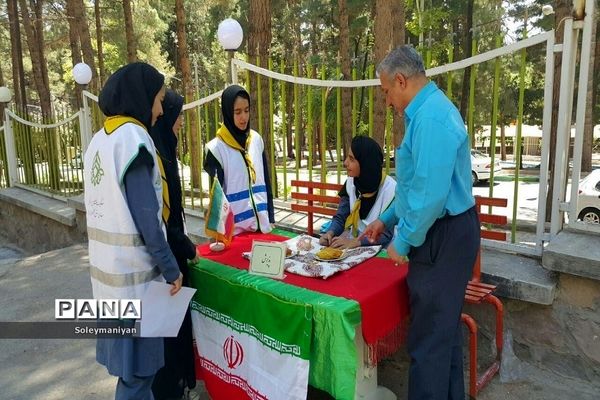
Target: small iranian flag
(244, 355)
(219, 219)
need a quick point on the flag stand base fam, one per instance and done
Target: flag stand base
(217, 246)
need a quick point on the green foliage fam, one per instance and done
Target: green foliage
(306, 30)
(149, 29)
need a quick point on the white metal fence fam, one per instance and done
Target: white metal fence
(196, 194)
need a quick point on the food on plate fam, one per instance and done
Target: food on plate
(329, 253)
(288, 252)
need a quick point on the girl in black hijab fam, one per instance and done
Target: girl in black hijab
(124, 201)
(227, 109)
(178, 372)
(235, 133)
(365, 195)
(130, 91)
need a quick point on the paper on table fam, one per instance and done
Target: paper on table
(162, 314)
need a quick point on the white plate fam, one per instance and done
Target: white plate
(344, 255)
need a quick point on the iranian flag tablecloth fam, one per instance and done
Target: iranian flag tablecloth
(245, 354)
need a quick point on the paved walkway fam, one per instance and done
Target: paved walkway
(66, 369)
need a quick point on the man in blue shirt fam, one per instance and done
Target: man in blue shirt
(435, 221)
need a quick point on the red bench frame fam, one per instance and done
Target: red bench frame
(478, 293)
(316, 203)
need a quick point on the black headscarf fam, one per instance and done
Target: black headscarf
(227, 99)
(369, 155)
(165, 142)
(130, 91)
(162, 132)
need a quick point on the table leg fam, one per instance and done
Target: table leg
(366, 376)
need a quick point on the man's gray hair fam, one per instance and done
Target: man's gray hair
(403, 60)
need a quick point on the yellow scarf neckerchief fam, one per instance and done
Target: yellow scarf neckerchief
(166, 211)
(226, 136)
(354, 217)
(113, 123)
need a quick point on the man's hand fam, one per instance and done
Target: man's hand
(177, 285)
(344, 243)
(393, 254)
(373, 230)
(326, 238)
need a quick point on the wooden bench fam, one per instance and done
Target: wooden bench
(478, 293)
(314, 199)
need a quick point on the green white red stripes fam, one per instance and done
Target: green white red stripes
(244, 354)
(219, 219)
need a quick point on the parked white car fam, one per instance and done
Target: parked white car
(588, 198)
(481, 166)
(77, 162)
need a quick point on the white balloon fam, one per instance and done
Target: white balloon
(82, 73)
(230, 34)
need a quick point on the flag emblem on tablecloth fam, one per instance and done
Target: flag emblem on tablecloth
(219, 219)
(233, 352)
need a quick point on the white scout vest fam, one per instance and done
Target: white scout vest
(120, 264)
(250, 207)
(385, 196)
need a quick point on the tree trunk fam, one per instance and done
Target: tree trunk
(363, 76)
(383, 44)
(347, 75)
(588, 130)
(259, 42)
(99, 44)
(38, 27)
(188, 88)
(562, 10)
(74, 45)
(19, 82)
(399, 37)
(35, 42)
(16, 52)
(129, 33)
(73, 33)
(456, 40)
(40, 72)
(2, 105)
(86, 41)
(464, 98)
